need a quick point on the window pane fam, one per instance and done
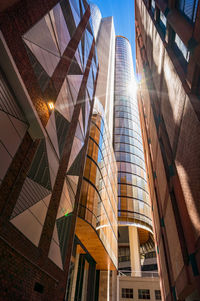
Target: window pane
(188, 8)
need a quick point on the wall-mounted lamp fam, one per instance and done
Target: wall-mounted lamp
(51, 105)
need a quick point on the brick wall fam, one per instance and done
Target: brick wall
(169, 115)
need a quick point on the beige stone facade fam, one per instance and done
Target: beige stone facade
(138, 283)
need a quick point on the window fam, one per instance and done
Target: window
(181, 51)
(162, 22)
(188, 8)
(127, 293)
(150, 254)
(39, 288)
(181, 46)
(144, 294)
(153, 6)
(157, 295)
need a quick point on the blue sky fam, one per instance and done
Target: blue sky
(124, 17)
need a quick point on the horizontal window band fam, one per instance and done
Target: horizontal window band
(132, 198)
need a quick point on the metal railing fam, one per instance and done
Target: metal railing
(142, 274)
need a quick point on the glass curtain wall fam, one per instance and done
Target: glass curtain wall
(133, 198)
(134, 209)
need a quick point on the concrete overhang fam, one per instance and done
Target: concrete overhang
(90, 239)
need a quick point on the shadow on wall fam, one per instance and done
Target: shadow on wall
(176, 122)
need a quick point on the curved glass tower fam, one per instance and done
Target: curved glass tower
(134, 211)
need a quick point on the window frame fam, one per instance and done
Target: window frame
(183, 3)
(157, 294)
(178, 51)
(153, 6)
(163, 27)
(127, 293)
(144, 294)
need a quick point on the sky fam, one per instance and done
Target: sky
(123, 12)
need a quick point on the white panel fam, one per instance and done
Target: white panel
(87, 113)
(78, 58)
(53, 162)
(40, 35)
(76, 147)
(75, 83)
(79, 133)
(60, 27)
(64, 103)
(65, 206)
(81, 121)
(48, 60)
(49, 22)
(31, 193)
(51, 130)
(54, 254)
(73, 180)
(39, 210)
(55, 235)
(28, 225)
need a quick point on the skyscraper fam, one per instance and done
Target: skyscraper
(134, 208)
(137, 259)
(167, 52)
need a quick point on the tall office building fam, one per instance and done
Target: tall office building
(58, 179)
(167, 52)
(134, 207)
(137, 265)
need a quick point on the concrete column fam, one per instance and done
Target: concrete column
(114, 285)
(75, 276)
(103, 286)
(134, 251)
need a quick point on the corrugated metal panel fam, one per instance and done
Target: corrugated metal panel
(8, 103)
(30, 194)
(39, 171)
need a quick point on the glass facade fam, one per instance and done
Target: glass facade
(98, 202)
(133, 198)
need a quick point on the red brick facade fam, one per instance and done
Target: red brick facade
(168, 111)
(25, 265)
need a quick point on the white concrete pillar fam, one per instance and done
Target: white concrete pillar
(75, 276)
(134, 251)
(114, 285)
